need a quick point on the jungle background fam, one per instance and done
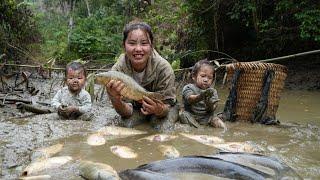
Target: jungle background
(59, 31)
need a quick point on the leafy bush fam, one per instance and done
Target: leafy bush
(97, 36)
(17, 30)
(310, 21)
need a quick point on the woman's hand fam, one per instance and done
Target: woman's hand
(114, 89)
(153, 106)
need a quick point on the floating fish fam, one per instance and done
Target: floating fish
(43, 164)
(132, 89)
(159, 138)
(119, 131)
(123, 152)
(236, 147)
(168, 151)
(204, 139)
(93, 170)
(46, 152)
(96, 140)
(40, 177)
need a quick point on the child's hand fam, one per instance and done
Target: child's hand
(206, 94)
(71, 109)
(67, 111)
(62, 111)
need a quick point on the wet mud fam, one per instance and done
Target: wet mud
(22, 133)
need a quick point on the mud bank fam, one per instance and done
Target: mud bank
(22, 133)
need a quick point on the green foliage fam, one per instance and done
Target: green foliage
(242, 11)
(165, 26)
(309, 24)
(185, 30)
(97, 36)
(175, 64)
(199, 30)
(282, 25)
(54, 32)
(17, 29)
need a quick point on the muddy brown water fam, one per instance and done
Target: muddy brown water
(297, 144)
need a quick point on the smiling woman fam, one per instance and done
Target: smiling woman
(152, 72)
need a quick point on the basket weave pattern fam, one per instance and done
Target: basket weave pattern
(250, 85)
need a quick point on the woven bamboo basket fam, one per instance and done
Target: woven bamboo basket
(250, 84)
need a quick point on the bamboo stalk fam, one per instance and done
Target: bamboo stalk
(290, 56)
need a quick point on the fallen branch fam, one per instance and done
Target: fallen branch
(32, 108)
(22, 100)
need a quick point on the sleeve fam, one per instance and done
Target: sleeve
(166, 83)
(119, 64)
(56, 100)
(186, 92)
(86, 104)
(115, 67)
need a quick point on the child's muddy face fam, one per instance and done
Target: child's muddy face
(204, 78)
(75, 80)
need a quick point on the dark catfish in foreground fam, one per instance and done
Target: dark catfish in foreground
(225, 165)
(197, 164)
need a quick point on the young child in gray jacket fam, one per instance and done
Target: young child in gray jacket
(73, 101)
(200, 98)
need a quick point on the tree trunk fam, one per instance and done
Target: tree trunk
(216, 18)
(255, 18)
(215, 26)
(71, 23)
(88, 7)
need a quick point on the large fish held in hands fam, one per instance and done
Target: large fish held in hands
(132, 89)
